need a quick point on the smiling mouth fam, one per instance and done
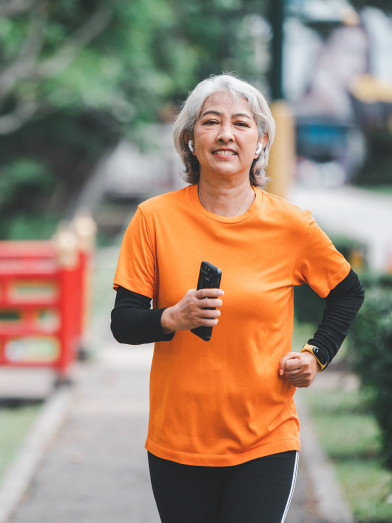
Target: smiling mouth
(221, 152)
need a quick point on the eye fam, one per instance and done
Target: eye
(210, 122)
(242, 124)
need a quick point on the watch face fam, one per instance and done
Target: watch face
(319, 355)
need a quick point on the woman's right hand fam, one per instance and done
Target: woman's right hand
(190, 312)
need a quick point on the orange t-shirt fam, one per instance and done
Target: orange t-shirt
(222, 402)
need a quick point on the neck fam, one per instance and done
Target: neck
(226, 200)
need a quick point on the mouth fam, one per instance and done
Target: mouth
(224, 152)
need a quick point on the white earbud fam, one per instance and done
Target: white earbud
(190, 145)
(258, 150)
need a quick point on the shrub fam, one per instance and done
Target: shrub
(308, 305)
(377, 168)
(370, 353)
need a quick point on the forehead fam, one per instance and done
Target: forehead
(225, 102)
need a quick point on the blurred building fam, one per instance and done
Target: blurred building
(338, 78)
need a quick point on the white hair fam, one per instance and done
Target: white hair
(190, 113)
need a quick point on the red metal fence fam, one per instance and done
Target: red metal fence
(44, 298)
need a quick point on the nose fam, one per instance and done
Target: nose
(225, 134)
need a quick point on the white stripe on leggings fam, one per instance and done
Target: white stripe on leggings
(292, 487)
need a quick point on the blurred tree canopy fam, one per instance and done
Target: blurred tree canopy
(75, 75)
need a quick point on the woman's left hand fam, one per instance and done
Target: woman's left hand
(300, 368)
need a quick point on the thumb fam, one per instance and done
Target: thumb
(282, 363)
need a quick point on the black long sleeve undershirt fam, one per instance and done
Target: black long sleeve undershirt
(342, 305)
(134, 323)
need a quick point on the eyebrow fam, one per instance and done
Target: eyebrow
(243, 115)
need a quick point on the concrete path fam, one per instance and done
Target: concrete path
(355, 213)
(96, 469)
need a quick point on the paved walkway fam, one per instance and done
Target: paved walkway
(96, 469)
(355, 213)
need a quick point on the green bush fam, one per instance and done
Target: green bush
(27, 203)
(377, 168)
(308, 305)
(371, 353)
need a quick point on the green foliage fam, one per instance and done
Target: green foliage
(371, 352)
(148, 52)
(377, 168)
(367, 486)
(348, 432)
(308, 305)
(93, 71)
(24, 176)
(15, 424)
(26, 188)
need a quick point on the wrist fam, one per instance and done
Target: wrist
(167, 321)
(317, 355)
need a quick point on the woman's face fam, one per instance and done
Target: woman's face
(226, 137)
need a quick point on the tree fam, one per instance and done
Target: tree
(78, 74)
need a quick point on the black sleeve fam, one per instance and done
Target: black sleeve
(342, 304)
(133, 322)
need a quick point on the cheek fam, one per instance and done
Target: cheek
(204, 142)
(250, 150)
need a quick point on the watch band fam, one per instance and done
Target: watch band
(320, 358)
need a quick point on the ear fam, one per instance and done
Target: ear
(188, 137)
(263, 142)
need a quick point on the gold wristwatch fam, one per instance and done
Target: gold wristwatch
(320, 358)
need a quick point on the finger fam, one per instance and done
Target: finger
(208, 313)
(293, 364)
(301, 380)
(282, 363)
(204, 322)
(300, 384)
(204, 293)
(211, 302)
(294, 373)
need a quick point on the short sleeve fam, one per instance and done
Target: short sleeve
(318, 263)
(136, 263)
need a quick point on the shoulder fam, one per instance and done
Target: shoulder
(165, 202)
(286, 213)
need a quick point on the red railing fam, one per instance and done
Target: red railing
(44, 298)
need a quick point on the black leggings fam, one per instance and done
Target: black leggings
(258, 491)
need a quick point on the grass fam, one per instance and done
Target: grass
(349, 434)
(15, 424)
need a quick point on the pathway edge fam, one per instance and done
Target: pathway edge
(21, 473)
(332, 505)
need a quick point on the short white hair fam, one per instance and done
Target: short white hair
(190, 112)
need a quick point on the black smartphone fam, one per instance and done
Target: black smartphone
(209, 278)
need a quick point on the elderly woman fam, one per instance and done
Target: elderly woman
(223, 435)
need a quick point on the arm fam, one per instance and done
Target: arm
(342, 304)
(134, 323)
